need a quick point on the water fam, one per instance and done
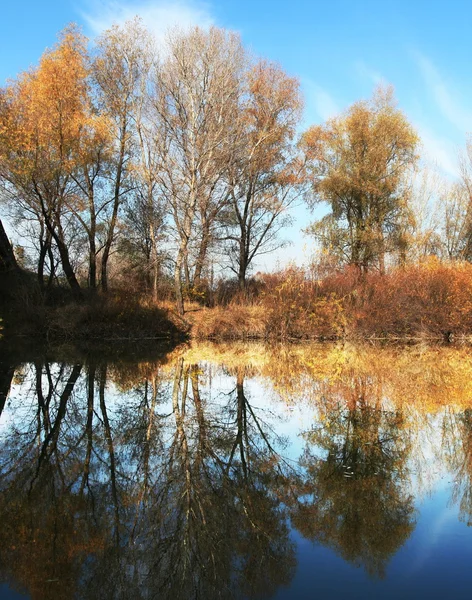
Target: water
(238, 472)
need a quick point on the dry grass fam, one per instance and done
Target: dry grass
(113, 318)
(432, 300)
(230, 322)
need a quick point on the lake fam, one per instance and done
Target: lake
(237, 471)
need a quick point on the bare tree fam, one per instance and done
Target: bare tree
(119, 69)
(196, 94)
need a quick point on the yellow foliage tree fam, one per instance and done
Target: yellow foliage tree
(48, 134)
(358, 164)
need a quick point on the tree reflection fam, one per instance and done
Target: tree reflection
(356, 498)
(458, 450)
(167, 479)
(167, 494)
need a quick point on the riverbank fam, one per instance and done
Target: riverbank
(431, 300)
(428, 301)
(98, 321)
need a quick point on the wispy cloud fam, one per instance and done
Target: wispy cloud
(158, 15)
(447, 102)
(367, 72)
(320, 104)
(438, 151)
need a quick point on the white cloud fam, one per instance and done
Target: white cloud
(320, 105)
(439, 151)
(158, 15)
(367, 73)
(449, 106)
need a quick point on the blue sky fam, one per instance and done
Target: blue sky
(339, 49)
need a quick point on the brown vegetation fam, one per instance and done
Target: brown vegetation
(428, 300)
(114, 318)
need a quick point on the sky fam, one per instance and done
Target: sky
(339, 49)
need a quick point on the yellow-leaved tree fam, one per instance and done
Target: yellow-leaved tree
(49, 134)
(359, 164)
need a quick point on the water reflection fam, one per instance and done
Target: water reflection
(158, 497)
(181, 478)
(458, 452)
(357, 479)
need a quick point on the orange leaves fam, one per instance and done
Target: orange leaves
(48, 118)
(429, 300)
(296, 307)
(55, 97)
(273, 106)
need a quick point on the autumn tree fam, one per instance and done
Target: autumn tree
(196, 92)
(456, 205)
(359, 163)
(43, 114)
(120, 70)
(266, 176)
(456, 222)
(88, 204)
(442, 216)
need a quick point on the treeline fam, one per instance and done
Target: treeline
(122, 162)
(161, 170)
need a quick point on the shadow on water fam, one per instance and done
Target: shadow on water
(171, 477)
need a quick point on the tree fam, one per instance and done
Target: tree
(142, 230)
(120, 70)
(456, 230)
(358, 163)
(92, 163)
(456, 202)
(266, 174)
(196, 94)
(7, 256)
(421, 233)
(43, 115)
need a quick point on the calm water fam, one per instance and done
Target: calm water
(238, 472)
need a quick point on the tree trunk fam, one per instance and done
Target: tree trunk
(92, 242)
(182, 256)
(41, 260)
(92, 262)
(116, 205)
(52, 266)
(202, 253)
(242, 271)
(67, 267)
(63, 253)
(187, 276)
(107, 248)
(154, 261)
(179, 301)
